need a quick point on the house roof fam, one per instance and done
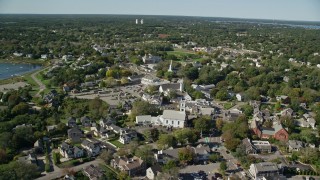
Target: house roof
(268, 131)
(171, 114)
(156, 168)
(201, 149)
(295, 144)
(266, 166)
(166, 87)
(174, 153)
(143, 118)
(93, 172)
(74, 130)
(128, 163)
(71, 119)
(85, 118)
(115, 127)
(89, 144)
(207, 111)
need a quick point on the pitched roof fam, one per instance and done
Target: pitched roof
(71, 119)
(143, 118)
(156, 168)
(295, 144)
(171, 114)
(128, 163)
(74, 130)
(166, 87)
(93, 172)
(266, 166)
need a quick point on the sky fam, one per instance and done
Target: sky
(305, 10)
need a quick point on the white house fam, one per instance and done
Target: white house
(151, 59)
(153, 171)
(264, 170)
(93, 148)
(124, 139)
(239, 97)
(166, 88)
(171, 118)
(145, 119)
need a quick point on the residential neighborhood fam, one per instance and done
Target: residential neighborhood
(152, 97)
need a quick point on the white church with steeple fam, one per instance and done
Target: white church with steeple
(170, 67)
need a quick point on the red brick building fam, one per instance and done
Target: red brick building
(277, 131)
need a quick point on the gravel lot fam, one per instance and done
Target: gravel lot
(15, 86)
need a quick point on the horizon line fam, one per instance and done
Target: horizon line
(317, 21)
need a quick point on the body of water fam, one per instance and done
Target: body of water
(8, 70)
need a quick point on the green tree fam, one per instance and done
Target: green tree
(124, 81)
(20, 108)
(248, 110)
(56, 158)
(106, 156)
(277, 106)
(185, 135)
(214, 157)
(222, 95)
(146, 154)
(223, 167)
(204, 124)
(186, 155)
(166, 141)
(143, 108)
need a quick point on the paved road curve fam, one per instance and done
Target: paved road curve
(42, 87)
(57, 173)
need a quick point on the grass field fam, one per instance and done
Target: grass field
(181, 54)
(228, 105)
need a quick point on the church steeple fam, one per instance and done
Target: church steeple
(170, 67)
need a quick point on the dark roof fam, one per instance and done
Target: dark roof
(90, 144)
(71, 119)
(93, 172)
(85, 118)
(156, 168)
(74, 130)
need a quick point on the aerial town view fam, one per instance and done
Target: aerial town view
(159, 90)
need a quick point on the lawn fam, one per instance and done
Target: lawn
(228, 105)
(182, 53)
(116, 143)
(108, 168)
(70, 163)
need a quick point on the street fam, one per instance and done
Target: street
(57, 172)
(42, 87)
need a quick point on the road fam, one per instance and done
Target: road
(231, 162)
(42, 87)
(57, 173)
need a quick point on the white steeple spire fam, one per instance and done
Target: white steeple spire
(170, 67)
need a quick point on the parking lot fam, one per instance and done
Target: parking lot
(209, 169)
(130, 92)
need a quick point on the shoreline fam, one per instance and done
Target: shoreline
(23, 61)
(19, 78)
